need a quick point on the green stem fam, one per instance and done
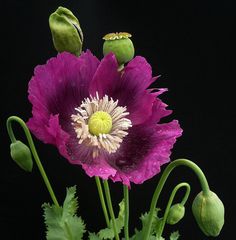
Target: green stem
(121, 67)
(110, 208)
(172, 196)
(126, 198)
(167, 171)
(33, 150)
(102, 200)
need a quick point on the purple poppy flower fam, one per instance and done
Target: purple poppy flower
(100, 118)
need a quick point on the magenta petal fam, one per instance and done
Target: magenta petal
(144, 150)
(99, 167)
(55, 90)
(106, 77)
(129, 87)
(158, 109)
(131, 90)
(50, 133)
(140, 71)
(80, 154)
(60, 85)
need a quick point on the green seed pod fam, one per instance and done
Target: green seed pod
(21, 154)
(208, 211)
(100, 123)
(66, 32)
(175, 214)
(119, 44)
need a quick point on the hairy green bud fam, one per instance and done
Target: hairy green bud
(21, 154)
(66, 32)
(208, 211)
(176, 213)
(119, 44)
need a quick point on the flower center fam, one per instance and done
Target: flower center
(99, 123)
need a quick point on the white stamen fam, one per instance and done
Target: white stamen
(109, 142)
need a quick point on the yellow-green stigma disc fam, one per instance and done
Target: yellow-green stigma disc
(100, 122)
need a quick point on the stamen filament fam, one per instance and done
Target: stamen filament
(101, 124)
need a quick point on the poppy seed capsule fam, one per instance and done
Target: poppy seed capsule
(66, 32)
(208, 211)
(100, 123)
(21, 154)
(119, 44)
(175, 214)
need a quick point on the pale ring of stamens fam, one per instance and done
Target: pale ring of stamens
(109, 142)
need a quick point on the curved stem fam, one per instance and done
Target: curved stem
(9, 129)
(102, 200)
(166, 173)
(126, 198)
(110, 208)
(172, 196)
(186, 195)
(33, 150)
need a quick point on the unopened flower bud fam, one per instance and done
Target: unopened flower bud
(208, 211)
(119, 44)
(176, 213)
(66, 32)
(21, 154)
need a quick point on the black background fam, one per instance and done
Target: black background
(190, 43)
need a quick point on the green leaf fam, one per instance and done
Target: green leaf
(174, 235)
(62, 222)
(155, 221)
(70, 204)
(121, 217)
(139, 236)
(108, 233)
(93, 236)
(154, 227)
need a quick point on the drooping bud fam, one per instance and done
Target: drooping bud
(208, 211)
(176, 213)
(66, 32)
(21, 154)
(119, 44)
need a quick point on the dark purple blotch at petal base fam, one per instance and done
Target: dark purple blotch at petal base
(144, 151)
